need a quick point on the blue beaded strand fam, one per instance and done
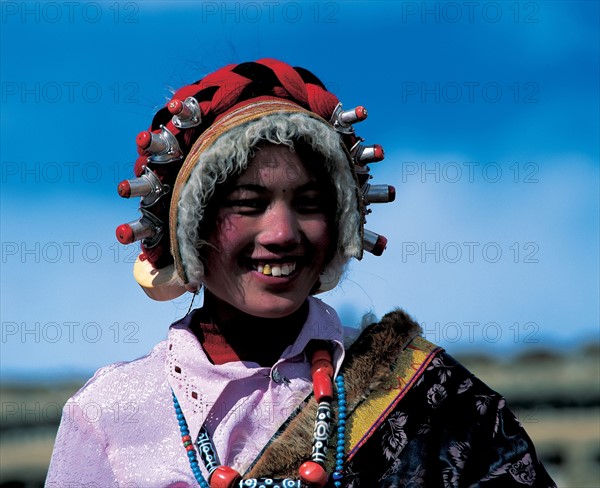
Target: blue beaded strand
(338, 474)
(192, 456)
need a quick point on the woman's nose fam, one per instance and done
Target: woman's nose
(281, 226)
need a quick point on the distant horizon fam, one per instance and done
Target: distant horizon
(64, 376)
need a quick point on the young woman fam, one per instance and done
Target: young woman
(254, 187)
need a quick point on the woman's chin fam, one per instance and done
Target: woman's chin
(274, 309)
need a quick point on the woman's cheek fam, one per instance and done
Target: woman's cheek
(231, 231)
(320, 236)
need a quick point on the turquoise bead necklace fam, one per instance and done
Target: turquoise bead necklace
(208, 452)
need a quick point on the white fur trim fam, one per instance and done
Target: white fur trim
(230, 155)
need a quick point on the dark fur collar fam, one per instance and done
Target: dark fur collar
(366, 367)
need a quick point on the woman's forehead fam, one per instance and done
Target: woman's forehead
(276, 164)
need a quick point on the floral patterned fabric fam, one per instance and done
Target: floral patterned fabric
(449, 431)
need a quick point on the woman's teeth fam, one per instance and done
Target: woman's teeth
(276, 269)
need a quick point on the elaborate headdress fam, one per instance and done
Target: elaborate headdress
(206, 133)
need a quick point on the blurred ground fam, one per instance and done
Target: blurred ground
(555, 396)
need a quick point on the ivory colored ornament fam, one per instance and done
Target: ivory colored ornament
(159, 284)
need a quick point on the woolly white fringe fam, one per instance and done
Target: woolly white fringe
(230, 155)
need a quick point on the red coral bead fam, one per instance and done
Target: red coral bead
(379, 246)
(323, 387)
(322, 366)
(190, 447)
(186, 438)
(125, 234)
(143, 139)
(124, 189)
(321, 354)
(361, 113)
(391, 193)
(313, 473)
(224, 477)
(175, 106)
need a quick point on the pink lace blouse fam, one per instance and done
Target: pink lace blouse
(120, 429)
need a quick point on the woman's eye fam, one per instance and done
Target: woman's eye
(246, 205)
(310, 204)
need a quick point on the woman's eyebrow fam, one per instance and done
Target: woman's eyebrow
(257, 188)
(252, 187)
(310, 186)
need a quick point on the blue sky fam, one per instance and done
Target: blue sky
(489, 118)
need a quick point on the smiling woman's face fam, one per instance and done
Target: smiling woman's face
(272, 236)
